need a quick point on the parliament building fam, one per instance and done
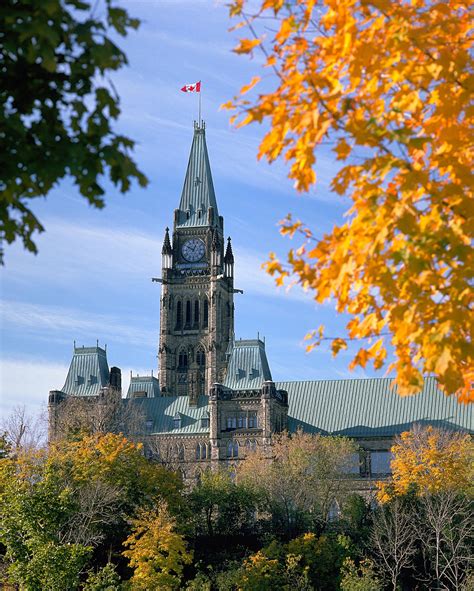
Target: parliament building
(214, 399)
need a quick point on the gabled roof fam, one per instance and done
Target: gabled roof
(162, 410)
(198, 190)
(248, 365)
(370, 408)
(88, 372)
(148, 384)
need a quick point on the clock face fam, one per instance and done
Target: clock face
(193, 250)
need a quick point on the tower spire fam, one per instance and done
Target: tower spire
(198, 197)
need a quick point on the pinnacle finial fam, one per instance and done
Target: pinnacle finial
(229, 255)
(166, 243)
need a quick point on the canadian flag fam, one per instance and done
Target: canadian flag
(196, 87)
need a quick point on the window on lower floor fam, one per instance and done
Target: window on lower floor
(380, 462)
(353, 464)
(251, 445)
(232, 449)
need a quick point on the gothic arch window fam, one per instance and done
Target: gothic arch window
(198, 451)
(180, 450)
(198, 475)
(205, 315)
(196, 313)
(251, 444)
(188, 313)
(334, 511)
(201, 358)
(179, 314)
(183, 360)
(232, 449)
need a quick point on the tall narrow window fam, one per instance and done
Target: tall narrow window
(182, 360)
(201, 358)
(232, 449)
(196, 313)
(179, 314)
(188, 313)
(205, 318)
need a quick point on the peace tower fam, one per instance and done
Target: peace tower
(197, 297)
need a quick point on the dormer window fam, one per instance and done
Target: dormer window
(92, 380)
(177, 421)
(205, 421)
(79, 380)
(149, 424)
(254, 373)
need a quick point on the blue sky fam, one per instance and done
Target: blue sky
(92, 277)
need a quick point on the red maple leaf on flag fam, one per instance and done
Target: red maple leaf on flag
(195, 87)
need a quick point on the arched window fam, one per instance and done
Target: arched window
(198, 476)
(232, 449)
(182, 360)
(188, 313)
(334, 511)
(180, 450)
(196, 313)
(251, 444)
(198, 451)
(200, 358)
(205, 316)
(179, 315)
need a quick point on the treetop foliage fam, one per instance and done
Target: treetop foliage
(58, 106)
(389, 85)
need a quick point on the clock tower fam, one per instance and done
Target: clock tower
(197, 296)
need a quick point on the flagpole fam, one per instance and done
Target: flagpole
(199, 93)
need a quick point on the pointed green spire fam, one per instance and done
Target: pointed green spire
(198, 190)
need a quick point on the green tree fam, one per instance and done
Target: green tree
(105, 579)
(35, 511)
(58, 106)
(57, 505)
(222, 507)
(361, 577)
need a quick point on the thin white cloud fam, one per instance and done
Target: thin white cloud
(27, 382)
(65, 324)
(95, 254)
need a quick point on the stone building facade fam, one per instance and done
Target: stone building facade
(214, 399)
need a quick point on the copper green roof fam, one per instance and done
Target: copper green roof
(147, 384)
(370, 408)
(248, 365)
(162, 410)
(88, 372)
(198, 190)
